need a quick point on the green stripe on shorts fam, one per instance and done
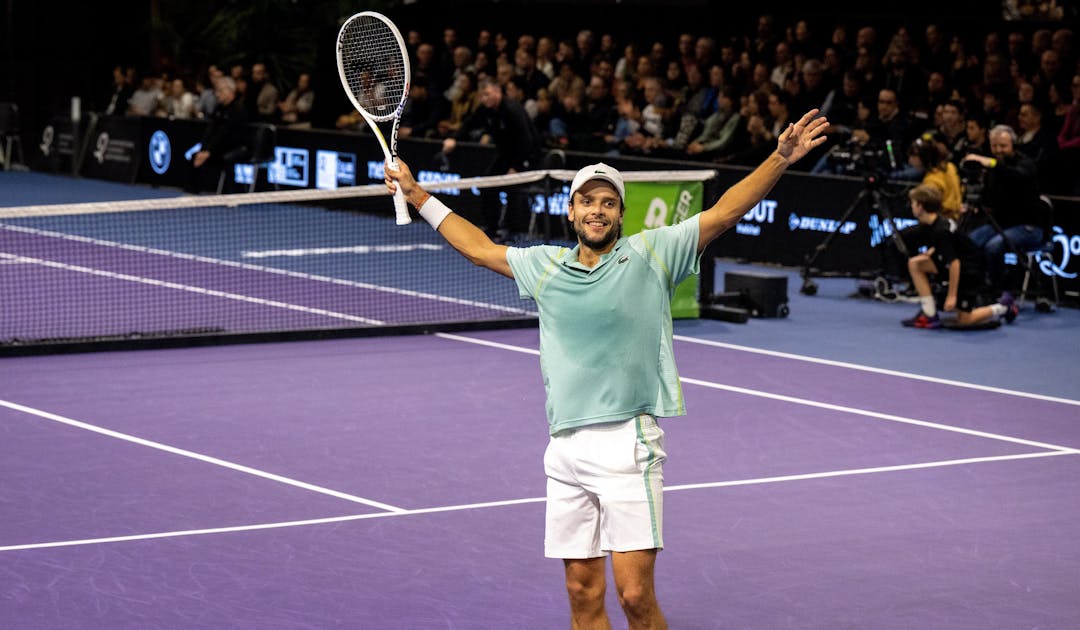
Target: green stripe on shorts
(648, 480)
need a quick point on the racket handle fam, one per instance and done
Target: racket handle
(401, 209)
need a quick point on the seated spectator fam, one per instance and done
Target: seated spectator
(1069, 140)
(812, 91)
(721, 131)
(532, 79)
(146, 97)
(515, 90)
(841, 105)
(177, 102)
(976, 138)
(890, 125)
(1018, 220)
(261, 95)
(599, 114)
(117, 103)
(953, 127)
(225, 138)
(295, 110)
(545, 56)
(351, 121)
(905, 78)
(568, 120)
(627, 124)
(939, 172)
(423, 111)
(1039, 144)
(756, 133)
(463, 99)
(654, 120)
(565, 82)
(688, 109)
(204, 87)
(935, 95)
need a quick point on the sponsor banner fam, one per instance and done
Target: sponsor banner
(114, 149)
(54, 150)
(801, 213)
(651, 205)
(167, 147)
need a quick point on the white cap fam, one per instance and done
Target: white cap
(599, 171)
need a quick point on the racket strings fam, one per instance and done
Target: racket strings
(374, 66)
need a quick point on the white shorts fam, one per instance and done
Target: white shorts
(605, 489)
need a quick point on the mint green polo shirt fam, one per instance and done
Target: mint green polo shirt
(605, 333)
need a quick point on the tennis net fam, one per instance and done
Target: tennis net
(243, 264)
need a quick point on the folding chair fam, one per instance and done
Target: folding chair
(1045, 301)
(261, 156)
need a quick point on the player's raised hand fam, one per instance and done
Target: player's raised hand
(400, 177)
(802, 136)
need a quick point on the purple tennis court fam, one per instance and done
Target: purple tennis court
(396, 482)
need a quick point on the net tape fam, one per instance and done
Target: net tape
(294, 196)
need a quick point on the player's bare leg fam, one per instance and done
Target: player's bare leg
(585, 584)
(633, 572)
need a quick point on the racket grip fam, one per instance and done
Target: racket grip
(401, 209)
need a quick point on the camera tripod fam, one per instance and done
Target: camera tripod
(871, 192)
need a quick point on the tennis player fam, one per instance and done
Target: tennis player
(607, 363)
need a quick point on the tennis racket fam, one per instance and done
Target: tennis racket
(374, 69)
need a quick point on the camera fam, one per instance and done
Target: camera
(973, 180)
(852, 157)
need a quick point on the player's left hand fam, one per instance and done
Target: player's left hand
(802, 136)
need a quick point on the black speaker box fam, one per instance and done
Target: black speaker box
(762, 294)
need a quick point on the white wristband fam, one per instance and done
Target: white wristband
(434, 211)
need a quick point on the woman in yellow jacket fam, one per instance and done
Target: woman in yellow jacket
(932, 157)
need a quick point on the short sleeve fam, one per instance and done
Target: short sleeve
(673, 248)
(531, 265)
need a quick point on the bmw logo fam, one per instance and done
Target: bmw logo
(160, 152)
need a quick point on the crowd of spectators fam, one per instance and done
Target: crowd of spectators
(721, 100)
(178, 95)
(724, 100)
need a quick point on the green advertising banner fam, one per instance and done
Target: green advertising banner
(652, 205)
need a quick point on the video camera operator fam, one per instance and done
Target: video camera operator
(877, 144)
(890, 128)
(1016, 219)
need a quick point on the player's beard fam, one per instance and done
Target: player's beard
(610, 236)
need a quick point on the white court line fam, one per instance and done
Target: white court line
(867, 368)
(802, 401)
(878, 415)
(494, 504)
(866, 471)
(490, 344)
(197, 456)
